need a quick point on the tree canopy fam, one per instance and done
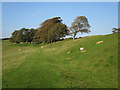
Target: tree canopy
(51, 30)
(23, 35)
(80, 24)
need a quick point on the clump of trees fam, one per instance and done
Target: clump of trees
(23, 35)
(51, 30)
(116, 30)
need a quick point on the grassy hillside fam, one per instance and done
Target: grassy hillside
(52, 66)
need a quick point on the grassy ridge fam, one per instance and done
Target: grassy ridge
(52, 66)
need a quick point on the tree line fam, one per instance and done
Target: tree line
(51, 30)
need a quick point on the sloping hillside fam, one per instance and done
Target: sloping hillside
(51, 66)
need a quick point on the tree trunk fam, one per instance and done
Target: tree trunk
(73, 38)
(74, 35)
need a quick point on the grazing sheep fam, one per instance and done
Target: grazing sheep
(99, 42)
(19, 50)
(82, 49)
(68, 52)
(41, 46)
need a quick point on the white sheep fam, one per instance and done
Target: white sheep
(68, 52)
(82, 49)
(41, 46)
(19, 50)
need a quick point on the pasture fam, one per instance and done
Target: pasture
(61, 64)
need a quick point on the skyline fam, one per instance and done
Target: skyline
(102, 16)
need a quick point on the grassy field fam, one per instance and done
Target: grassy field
(52, 66)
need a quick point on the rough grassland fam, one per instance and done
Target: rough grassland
(52, 66)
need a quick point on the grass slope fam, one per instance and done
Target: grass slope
(52, 67)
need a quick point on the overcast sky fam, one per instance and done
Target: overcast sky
(102, 16)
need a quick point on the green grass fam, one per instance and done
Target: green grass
(52, 67)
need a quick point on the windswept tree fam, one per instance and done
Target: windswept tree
(81, 25)
(29, 35)
(51, 30)
(56, 32)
